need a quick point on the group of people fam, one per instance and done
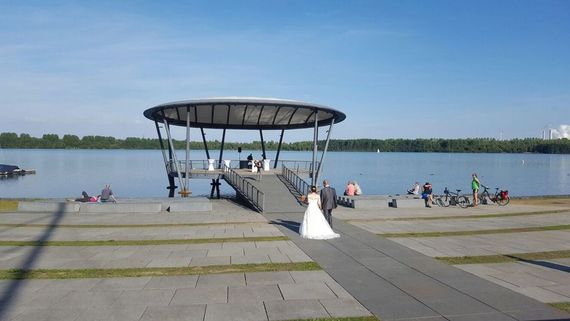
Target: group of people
(105, 196)
(257, 164)
(352, 189)
(317, 222)
(427, 193)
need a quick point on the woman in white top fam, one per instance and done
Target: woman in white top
(314, 225)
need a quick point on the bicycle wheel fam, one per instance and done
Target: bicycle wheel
(463, 201)
(503, 201)
(440, 202)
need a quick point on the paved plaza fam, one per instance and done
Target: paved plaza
(362, 274)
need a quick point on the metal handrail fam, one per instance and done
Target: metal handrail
(244, 187)
(298, 183)
(295, 165)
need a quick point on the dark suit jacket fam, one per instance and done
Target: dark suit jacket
(328, 198)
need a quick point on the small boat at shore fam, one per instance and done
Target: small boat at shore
(13, 170)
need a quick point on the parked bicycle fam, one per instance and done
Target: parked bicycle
(449, 198)
(500, 197)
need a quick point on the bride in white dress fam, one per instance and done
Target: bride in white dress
(314, 225)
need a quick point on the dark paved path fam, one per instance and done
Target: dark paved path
(278, 196)
(397, 283)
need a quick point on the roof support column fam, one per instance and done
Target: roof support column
(279, 148)
(161, 146)
(205, 144)
(325, 150)
(222, 148)
(171, 187)
(173, 158)
(185, 190)
(262, 144)
(315, 139)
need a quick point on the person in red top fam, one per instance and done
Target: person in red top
(349, 190)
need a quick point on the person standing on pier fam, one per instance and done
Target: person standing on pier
(475, 184)
(328, 201)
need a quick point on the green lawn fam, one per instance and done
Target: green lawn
(564, 306)
(143, 242)
(464, 217)
(8, 205)
(479, 232)
(484, 259)
(169, 271)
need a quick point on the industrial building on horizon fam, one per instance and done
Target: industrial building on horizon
(563, 131)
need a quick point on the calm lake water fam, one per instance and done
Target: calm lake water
(141, 173)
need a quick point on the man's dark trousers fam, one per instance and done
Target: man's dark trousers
(328, 216)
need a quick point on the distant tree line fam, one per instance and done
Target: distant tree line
(469, 145)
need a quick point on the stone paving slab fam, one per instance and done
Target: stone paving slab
(142, 233)
(450, 225)
(541, 281)
(489, 244)
(223, 211)
(169, 255)
(396, 283)
(231, 312)
(175, 313)
(344, 213)
(203, 297)
(295, 309)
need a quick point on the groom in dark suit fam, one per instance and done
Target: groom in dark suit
(328, 201)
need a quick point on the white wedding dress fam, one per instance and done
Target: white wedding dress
(314, 225)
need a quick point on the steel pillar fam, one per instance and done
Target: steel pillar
(262, 144)
(325, 150)
(185, 190)
(174, 158)
(279, 148)
(315, 139)
(205, 143)
(222, 148)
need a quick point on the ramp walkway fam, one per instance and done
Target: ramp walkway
(396, 283)
(280, 197)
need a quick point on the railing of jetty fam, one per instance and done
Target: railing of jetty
(244, 187)
(298, 183)
(202, 164)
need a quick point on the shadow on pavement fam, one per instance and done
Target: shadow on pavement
(546, 264)
(10, 294)
(292, 225)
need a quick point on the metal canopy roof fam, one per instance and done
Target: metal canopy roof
(244, 113)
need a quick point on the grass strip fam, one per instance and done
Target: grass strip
(370, 318)
(143, 242)
(564, 306)
(431, 218)
(124, 225)
(505, 258)
(8, 205)
(18, 274)
(479, 232)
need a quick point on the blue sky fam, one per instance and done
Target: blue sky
(405, 69)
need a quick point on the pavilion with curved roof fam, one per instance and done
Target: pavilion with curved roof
(238, 113)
